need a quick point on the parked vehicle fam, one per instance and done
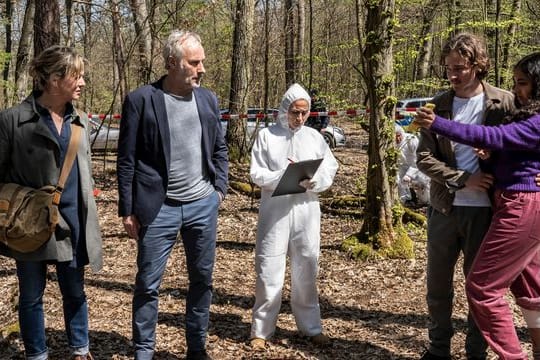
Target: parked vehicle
(334, 136)
(103, 137)
(405, 109)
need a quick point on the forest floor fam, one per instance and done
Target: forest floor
(372, 310)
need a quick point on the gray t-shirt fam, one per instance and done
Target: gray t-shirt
(188, 175)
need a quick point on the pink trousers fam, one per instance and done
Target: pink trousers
(507, 259)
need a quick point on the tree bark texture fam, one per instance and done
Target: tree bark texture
(46, 25)
(240, 70)
(118, 51)
(290, 76)
(7, 26)
(377, 54)
(23, 52)
(144, 39)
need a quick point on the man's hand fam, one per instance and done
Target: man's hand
(479, 181)
(537, 179)
(308, 184)
(424, 117)
(132, 226)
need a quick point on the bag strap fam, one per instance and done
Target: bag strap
(68, 162)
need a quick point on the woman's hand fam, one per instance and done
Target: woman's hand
(424, 117)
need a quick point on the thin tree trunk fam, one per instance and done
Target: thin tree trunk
(118, 50)
(240, 70)
(509, 44)
(426, 46)
(310, 4)
(266, 55)
(301, 37)
(69, 22)
(23, 52)
(7, 49)
(87, 49)
(496, 55)
(144, 39)
(290, 76)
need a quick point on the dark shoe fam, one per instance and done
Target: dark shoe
(320, 340)
(198, 355)
(429, 356)
(83, 357)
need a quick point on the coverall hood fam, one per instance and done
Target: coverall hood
(295, 92)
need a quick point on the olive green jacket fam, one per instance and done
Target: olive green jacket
(30, 156)
(435, 154)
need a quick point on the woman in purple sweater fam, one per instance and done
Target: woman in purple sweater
(509, 256)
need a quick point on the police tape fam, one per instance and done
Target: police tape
(350, 113)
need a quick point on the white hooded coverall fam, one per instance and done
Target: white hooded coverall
(288, 224)
(408, 170)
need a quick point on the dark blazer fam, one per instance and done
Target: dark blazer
(144, 150)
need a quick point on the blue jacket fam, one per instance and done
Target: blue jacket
(144, 150)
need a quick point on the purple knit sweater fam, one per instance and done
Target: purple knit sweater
(515, 148)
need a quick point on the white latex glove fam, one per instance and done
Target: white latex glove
(308, 184)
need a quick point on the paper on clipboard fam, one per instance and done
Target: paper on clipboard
(296, 172)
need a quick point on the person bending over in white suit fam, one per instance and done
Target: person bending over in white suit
(413, 185)
(289, 224)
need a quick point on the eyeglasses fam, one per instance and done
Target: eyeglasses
(295, 113)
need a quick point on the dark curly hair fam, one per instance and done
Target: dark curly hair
(530, 67)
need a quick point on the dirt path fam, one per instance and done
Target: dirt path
(372, 310)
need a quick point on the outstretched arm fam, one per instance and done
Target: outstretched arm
(520, 135)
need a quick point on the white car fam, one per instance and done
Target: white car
(406, 109)
(103, 137)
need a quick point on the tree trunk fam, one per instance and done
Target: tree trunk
(310, 21)
(509, 44)
(496, 56)
(46, 25)
(118, 51)
(378, 229)
(69, 22)
(266, 56)
(301, 37)
(23, 52)
(5, 74)
(426, 45)
(240, 70)
(87, 49)
(290, 76)
(144, 39)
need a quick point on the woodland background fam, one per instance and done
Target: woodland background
(359, 54)
(315, 42)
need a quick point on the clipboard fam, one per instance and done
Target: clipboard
(296, 172)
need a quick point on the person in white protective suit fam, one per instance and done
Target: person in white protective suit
(289, 224)
(413, 185)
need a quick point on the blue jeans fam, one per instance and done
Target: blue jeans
(32, 279)
(197, 223)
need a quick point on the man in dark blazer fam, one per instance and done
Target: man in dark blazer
(172, 176)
